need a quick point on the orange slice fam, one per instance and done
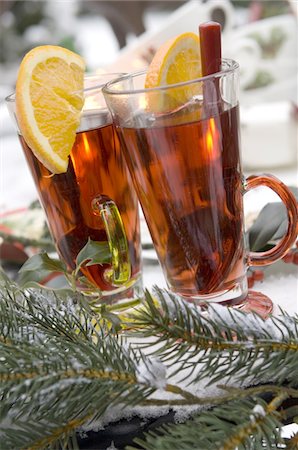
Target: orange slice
(49, 100)
(176, 61)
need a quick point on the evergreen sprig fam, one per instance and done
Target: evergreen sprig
(241, 425)
(62, 367)
(226, 342)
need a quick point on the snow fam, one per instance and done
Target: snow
(236, 320)
(153, 372)
(258, 410)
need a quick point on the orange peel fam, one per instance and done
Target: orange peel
(49, 100)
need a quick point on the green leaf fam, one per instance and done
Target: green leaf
(39, 267)
(27, 282)
(93, 253)
(270, 225)
(266, 225)
(42, 262)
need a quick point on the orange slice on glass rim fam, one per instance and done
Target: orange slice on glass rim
(49, 100)
(176, 61)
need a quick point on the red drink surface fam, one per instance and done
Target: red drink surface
(188, 179)
(96, 167)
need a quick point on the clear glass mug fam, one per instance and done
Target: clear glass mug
(182, 146)
(94, 198)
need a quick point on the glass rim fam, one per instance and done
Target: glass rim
(88, 76)
(232, 65)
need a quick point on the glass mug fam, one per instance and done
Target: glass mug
(93, 199)
(182, 146)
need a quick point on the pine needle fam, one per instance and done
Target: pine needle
(62, 367)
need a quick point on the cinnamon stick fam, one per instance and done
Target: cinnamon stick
(210, 45)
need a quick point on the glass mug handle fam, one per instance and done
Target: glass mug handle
(279, 250)
(120, 272)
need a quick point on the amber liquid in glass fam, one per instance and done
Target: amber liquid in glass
(188, 180)
(96, 167)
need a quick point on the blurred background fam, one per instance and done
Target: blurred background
(123, 35)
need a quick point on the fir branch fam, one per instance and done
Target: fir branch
(245, 425)
(233, 394)
(292, 443)
(59, 368)
(39, 311)
(224, 342)
(65, 431)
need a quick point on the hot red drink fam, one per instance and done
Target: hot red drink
(188, 179)
(96, 167)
